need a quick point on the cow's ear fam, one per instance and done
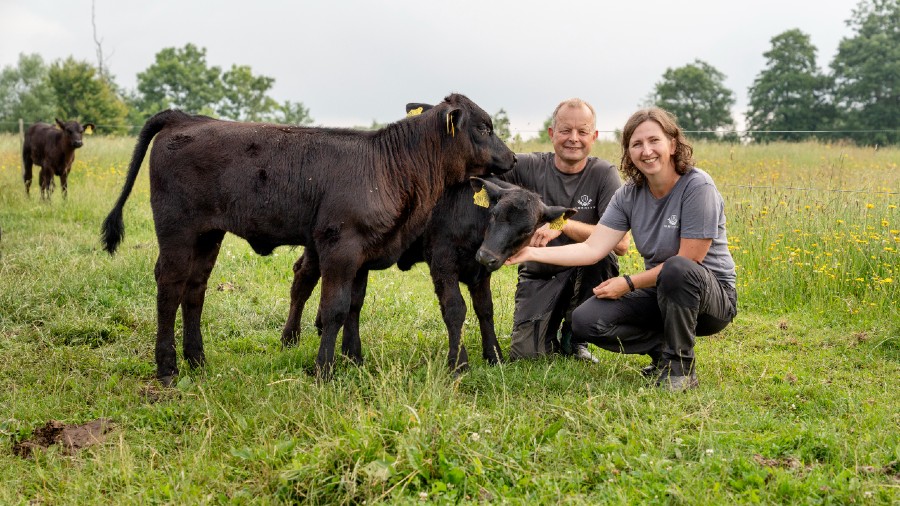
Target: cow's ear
(416, 108)
(452, 121)
(486, 192)
(89, 128)
(557, 214)
(60, 123)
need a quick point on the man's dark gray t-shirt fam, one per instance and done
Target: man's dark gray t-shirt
(694, 209)
(588, 191)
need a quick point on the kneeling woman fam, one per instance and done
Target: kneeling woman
(677, 220)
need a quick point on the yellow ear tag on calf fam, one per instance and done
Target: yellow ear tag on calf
(89, 130)
(414, 112)
(558, 223)
(451, 128)
(481, 198)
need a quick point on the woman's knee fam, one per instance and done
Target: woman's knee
(589, 320)
(680, 280)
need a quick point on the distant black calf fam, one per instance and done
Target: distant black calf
(53, 149)
(462, 243)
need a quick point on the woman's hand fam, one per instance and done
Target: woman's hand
(612, 288)
(523, 255)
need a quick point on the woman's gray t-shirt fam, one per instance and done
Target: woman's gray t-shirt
(694, 209)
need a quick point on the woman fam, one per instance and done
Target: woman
(677, 222)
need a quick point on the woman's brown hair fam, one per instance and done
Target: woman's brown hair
(683, 154)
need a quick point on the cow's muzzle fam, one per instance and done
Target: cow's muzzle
(489, 259)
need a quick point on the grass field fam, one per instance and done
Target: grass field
(798, 399)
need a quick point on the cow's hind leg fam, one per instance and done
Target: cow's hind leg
(173, 267)
(27, 169)
(206, 250)
(453, 310)
(306, 276)
(483, 303)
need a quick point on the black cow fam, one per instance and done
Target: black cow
(355, 199)
(53, 149)
(462, 243)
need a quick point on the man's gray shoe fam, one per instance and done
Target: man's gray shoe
(583, 353)
(674, 383)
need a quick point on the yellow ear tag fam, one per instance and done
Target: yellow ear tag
(481, 198)
(414, 112)
(558, 223)
(451, 129)
(89, 130)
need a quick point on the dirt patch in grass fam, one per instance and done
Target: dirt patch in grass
(71, 437)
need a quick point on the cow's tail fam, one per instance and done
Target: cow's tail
(113, 226)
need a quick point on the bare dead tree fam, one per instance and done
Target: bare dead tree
(101, 69)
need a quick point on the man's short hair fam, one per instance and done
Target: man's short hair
(574, 102)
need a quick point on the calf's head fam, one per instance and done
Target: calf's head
(471, 130)
(73, 132)
(515, 213)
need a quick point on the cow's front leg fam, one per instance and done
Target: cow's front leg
(351, 346)
(64, 184)
(483, 303)
(45, 178)
(453, 310)
(306, 276)
(333, 309)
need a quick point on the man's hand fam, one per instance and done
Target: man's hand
(544, 235)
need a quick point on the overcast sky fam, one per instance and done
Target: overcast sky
(352, 62)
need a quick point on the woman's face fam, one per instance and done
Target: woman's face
(651, 150)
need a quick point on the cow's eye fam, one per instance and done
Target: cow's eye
(484, 130)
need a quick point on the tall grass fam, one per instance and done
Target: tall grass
(797, 402)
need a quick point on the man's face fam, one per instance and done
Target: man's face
(574, 134)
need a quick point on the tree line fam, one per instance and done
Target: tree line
(790, 99)
(179, 78)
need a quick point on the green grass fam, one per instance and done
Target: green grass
(797, 403)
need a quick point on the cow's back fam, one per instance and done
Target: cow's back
(280, 185)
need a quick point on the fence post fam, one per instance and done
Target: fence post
(21, 133)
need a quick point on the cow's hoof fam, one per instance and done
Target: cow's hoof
(167, 380)
(196, 362)
(289, 338)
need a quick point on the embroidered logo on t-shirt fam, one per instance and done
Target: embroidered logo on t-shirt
(584, 201)
(672, 221)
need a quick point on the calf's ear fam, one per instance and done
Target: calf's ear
(553, 213)
(494, 192)
(60, 123)
(452, 121)
(89, 128)
(416, 108)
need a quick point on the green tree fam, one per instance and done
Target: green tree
(544, 135)
(294, 113)
(790, 94)
(245, 95)
(696, 95)
(866, 70)
(181, 79)
(501, 125)
(25, 93)
(82, 94)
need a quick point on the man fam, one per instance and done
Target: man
(547, 294)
